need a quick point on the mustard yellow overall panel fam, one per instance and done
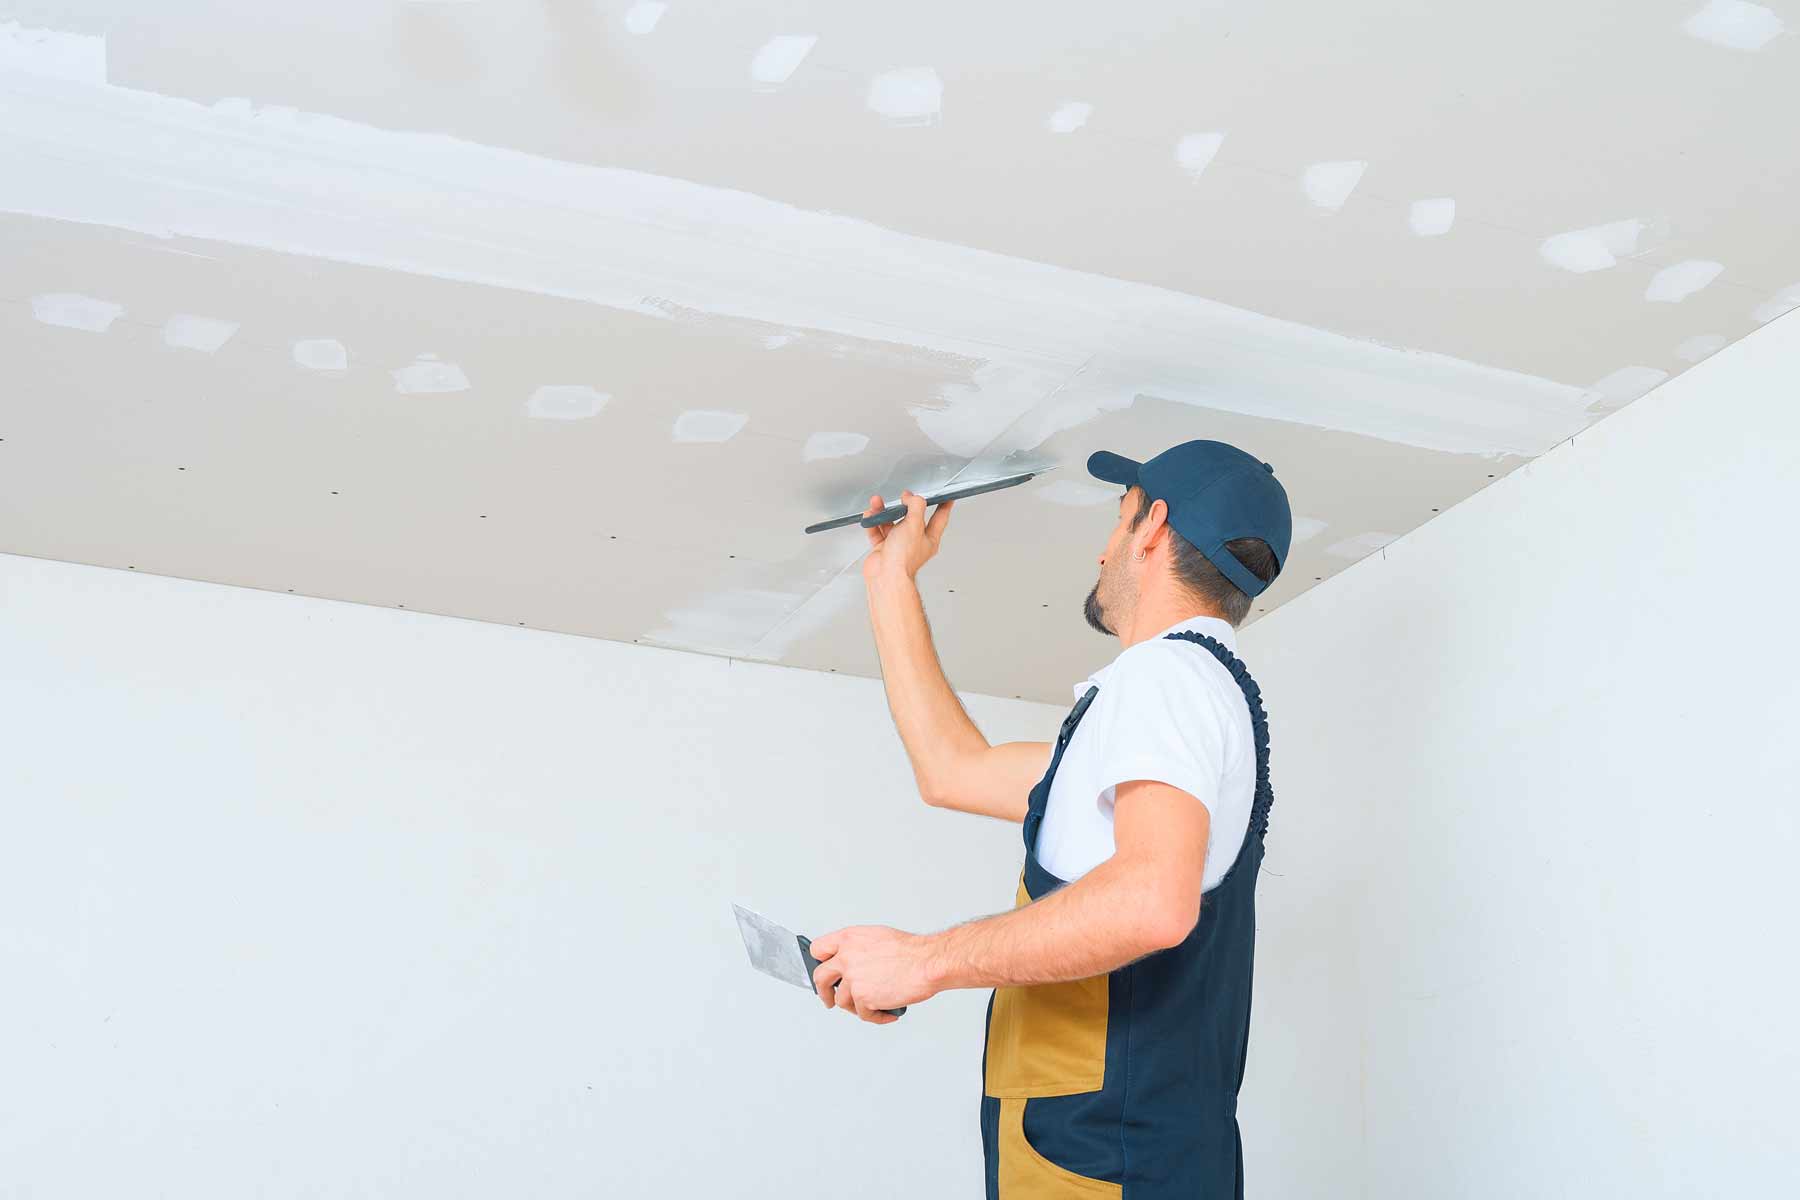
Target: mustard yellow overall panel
(1048, 1039)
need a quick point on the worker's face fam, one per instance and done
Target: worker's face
(1110, 603)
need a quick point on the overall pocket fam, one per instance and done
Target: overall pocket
(1048, 1039)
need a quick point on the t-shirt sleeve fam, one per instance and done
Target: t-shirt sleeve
(1161, 722)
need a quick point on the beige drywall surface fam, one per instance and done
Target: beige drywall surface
(1532, 846)
(574, 315)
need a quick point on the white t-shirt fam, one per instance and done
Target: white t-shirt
(1167, 711)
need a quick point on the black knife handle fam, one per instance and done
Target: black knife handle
(893, 512)
(812, 964)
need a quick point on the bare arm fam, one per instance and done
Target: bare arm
(952, 761)
(1145, 898)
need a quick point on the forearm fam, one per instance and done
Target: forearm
(1105, 919)
(933, 726)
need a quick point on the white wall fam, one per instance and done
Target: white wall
(301, 898)
(1534, 839)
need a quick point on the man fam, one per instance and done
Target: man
(1117, 1031)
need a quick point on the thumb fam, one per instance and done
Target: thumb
(824, 947)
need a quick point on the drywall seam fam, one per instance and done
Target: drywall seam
(82, 150)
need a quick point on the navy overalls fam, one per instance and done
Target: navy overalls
(1125, 1085)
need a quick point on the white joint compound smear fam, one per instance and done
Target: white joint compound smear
(834, 445)
(910, 96)
(1360, 546)
(779, 58)
(1672, 285)
(708, 425)
(184, 331)
(1734, 25)
(1076, 493)
(1329, 184)
(69, 310)
(1432, 218)
(565, 402)
(1628, 383)
(764, 623)
(427, 376)
(643, 16)
(1784, 301)
(1069, 117)
(729, 622)
(80, 58)
(1595, 248)
(1044, 346)
(1699, 347)
(1195, 152)
(1306, 528)
(321, 354)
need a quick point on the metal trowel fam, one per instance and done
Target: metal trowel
(780, 952)
(894, 512)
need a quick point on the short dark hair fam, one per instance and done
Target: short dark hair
(1205, 582)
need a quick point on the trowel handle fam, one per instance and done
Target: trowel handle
(890, 515)
(894, 512)
(812, 964)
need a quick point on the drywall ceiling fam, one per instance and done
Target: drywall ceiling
(572, 314)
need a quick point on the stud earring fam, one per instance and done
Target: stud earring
(1138, 557)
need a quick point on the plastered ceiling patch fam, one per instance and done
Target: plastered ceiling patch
(1329, 184)
(426, 376)
(1432, 218)
(641, 18)
(183, 331)
(1069, 117)
(1628, 383)
(444, 208)
(729, 622)
(1306, 528)
(1699, 347)
(1784, 301)
(968, 418)
(1075, 493)
(1360, 546)
(845, 592)
(708, 425)
(71, 310)
(1734, 25)
(51, 54)
(321, 354)
(1195, 152)
(779, 58)
(910, 96)
(565, 402)
(834, 445)
(1672, 285)
(1593, 249)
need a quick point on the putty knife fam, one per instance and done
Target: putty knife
(781, 953)
(894, 512)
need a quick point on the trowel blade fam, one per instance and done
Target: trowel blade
(773, 950)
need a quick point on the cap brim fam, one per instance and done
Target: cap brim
(1114, 468)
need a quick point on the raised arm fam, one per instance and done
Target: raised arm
(952, 761)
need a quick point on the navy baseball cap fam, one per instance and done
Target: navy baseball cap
(1216, 494)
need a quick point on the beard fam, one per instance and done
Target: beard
(1096, 616)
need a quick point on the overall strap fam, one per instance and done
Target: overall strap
(1259, 725)
(1040, 795)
